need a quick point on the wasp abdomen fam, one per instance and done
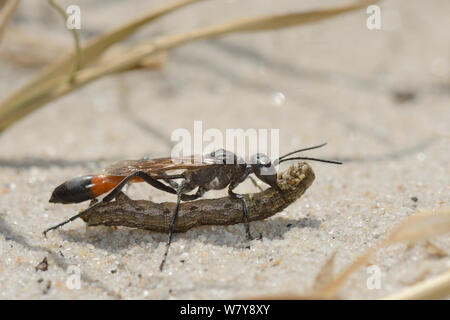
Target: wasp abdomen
(83, 188)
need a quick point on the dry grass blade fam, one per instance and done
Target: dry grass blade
(273, 22)
(325, 274)
(27, 51)
(46, 88)
(435, 288)
(420, 226)
(18, 104)
(6, 13)
(434, 250)
(263, 23)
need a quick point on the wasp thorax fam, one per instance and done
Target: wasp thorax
(260, 159)
(222, 156)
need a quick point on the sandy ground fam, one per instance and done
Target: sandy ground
(381, 97)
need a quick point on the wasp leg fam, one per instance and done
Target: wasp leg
(172, 223)
(189, 197)
(180, 196)
(244, 209)
(184, 197)
(169, 179)
(255, 183)
(114, 192)
(172, 183)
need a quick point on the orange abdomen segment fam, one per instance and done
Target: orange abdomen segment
(84, 188)
(102, 184)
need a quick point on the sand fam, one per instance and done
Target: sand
(380, 97)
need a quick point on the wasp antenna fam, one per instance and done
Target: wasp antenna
(301, 150)
(312, 159)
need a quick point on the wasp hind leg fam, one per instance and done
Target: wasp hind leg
(240, 197)
(180, 196)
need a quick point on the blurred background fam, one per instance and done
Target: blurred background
(380, 98)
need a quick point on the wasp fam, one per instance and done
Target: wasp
(216, 170)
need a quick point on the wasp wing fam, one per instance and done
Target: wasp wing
(159, 165)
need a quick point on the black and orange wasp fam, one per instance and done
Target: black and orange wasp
(212, 171)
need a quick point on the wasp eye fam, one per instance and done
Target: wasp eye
(264, 160)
